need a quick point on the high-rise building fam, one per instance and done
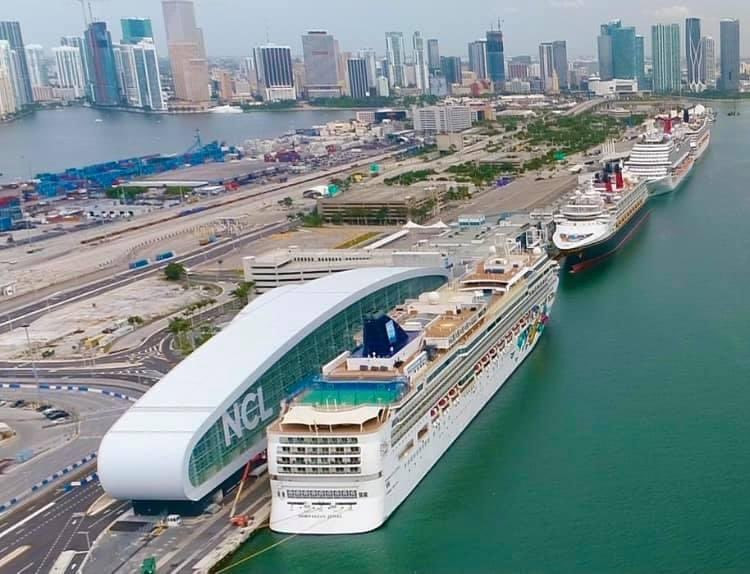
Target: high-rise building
(136, 29)
(729, 40)
(665, 43)
(105, 89)
(8, 103)
(433, 55)
(394, 53)
(640, 62)
(421, 71)
(478, 58)
(371, 61)
(694, 55)
(138, 67)
(547, 71)
(35, 65)
(78, 42)
(11, 32)
(359, 87)
(321, 56)
(450, 67)
(617, 51)
(708, 73)
(187, 51)
(518, 67)
(560, 57)
(495, 57)
(69, 66)
(275, 72)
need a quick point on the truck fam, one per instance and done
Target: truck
(149, 565)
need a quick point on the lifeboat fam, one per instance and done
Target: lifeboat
(493, 352)
(443, 402)
(453, 392)
(509, 337)
(485, 361)
(434, 413)
(501, 346)
(516, 329)
(477, 369)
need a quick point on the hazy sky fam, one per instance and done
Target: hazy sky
(234, 27)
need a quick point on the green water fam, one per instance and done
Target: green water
(621, 445)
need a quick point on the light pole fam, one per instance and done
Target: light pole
(31, 353)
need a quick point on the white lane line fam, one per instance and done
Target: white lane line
(8, 558)
(27, 519)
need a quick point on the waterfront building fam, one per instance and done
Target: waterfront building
(321, 57)
(11, 32)
(8, 103)
(357, 74)
(395, 57)
(612, 88)
(421, 71)
(433, 55)
(135, 30)
(275, 72)
(35, 65)
(729, 39)
(105, 87)
(69, 65)
(478, 58)
(617, 51)
(441, 119)
(204, 420)
(138, 67)
(450, 67)
(708, 72)
(694, 55)
(640, 61)
(371, 66)
(187, 52)
(665, 42)
(547, 71)
(78, 42)
(495, 58)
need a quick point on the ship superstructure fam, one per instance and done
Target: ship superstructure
(358, 438)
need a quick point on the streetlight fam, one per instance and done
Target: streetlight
(31, 353)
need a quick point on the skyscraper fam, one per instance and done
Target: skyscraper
(11, 31)
(495, 57)
(187, 52)
(321, 56)
(433, 55)
(640, 61)
(547, 71)
(421, 70)
(665, 42)
(139, 70)
(617, 51)
(729, 39)
(694, 55)
(450, 67)
(35, 65)
(478, 58)
(136, 29)
(708, 73)
(357, 72)
(394, 53)
(78, 42)
(100, 54)
(560, 57)
(7, 93)
(371, 62)
(70, 69)
(275, 70)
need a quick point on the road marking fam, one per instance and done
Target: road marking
(8, 558)
(27, 519)
(22, 570)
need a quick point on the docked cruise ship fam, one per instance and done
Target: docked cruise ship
(665, 157)
(348, 449)
(600, 217)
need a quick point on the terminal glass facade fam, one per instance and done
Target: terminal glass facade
(211, 454)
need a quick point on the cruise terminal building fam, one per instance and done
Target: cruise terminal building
(201, 423)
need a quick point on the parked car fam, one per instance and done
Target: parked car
(58, 414)
(18, 404)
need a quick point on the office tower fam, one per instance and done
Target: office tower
(275, 70)
(11, 32)
(547, 71)
(70, 73)
(371, 63)
(617, 51)
(694, 55)
(495, 57)
(8, 103)
(321, 57)
(560, 58)
(78, 42)
(421, 70)
(383, 87)
(450, 67)
(187, 52)
(433, 55)
(640, 62)
(708, 72)
(138, 66)
(35, 65)
(729, 40)
(665, 43)
(394, 54)
(518, 70)
(136, 29)
(104, 88)
(478, 58)
(359, 87)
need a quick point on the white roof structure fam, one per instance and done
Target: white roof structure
(311, 416)
(145, 455)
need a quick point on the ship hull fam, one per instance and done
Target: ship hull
(672, 183)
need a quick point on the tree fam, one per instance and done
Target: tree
(135, 320)
(243, 291)
(286, 202)
(174, 271)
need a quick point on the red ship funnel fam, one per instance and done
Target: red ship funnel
(608, 184)
(668, 126)
(618, 178)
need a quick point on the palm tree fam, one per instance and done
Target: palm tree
(243, 291)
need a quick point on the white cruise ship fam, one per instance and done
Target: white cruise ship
(352, 445)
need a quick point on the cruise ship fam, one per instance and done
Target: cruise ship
(349, 448)
(600, 217)
(665, 157)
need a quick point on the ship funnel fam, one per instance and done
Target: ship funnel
(618, 177)
(668, 125)
(686, 116)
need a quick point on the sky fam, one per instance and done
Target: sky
(234, 27)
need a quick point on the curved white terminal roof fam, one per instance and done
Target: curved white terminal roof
(145, 455)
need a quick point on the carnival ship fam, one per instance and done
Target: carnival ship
(664, 157)
(350, 447)
(600, 217)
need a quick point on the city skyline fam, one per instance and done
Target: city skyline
(524, 24)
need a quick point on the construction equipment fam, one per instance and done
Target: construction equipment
(240, 520)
